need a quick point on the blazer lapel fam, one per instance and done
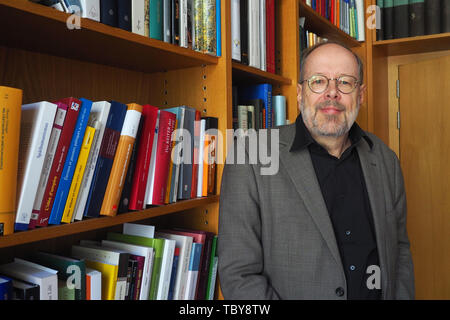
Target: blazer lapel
(301, 171)
(372, 175)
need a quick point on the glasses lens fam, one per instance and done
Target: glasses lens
(346, 84)
(318, 83)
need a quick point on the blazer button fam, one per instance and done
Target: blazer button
(340, 292)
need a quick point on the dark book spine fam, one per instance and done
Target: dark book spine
(379, 21)
(108, 12)
(416, 18)
(124, 14)
(432, 16)
(401, 25)
(445, 15)
(388, 19)
(244, 31)
(176, 22)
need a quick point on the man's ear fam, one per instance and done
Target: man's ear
(362, 93)
(299, 95)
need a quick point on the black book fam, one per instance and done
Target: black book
(379, 21)
(416, 18)
(258, 104)
(124, 14)
(388, 19)
(108, 12)
(175, 22)
(244, 31)
(401, 24)
(445, 15)
(432, 16)
(25, 291)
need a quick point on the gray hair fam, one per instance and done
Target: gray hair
(309, 50)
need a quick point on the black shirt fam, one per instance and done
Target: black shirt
(345, 194)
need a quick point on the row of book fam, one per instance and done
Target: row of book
(401, 19)
(307, 38)
(79, 158)
(253, 33)
(347, 15)
(140, 263)
(193, 24)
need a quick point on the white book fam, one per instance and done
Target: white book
(140, 230)
(185, 245)
(183, 23)
(262, 32)
(166, 269)
(167, 21)
(99, 111)
(192, 275)
(236, 30)
(360, 19)
(254, 50)
(90, 9)
(46, 278)
(94, 278)
(243, 117)
(201, 153)
(151, 170)
(35, 129)
(138, 17)
(147, 253)
(60, 116)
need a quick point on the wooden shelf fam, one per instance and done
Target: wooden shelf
(322, 27)
(246, 74)
(39, 28)
(56, 231)
(414, 45)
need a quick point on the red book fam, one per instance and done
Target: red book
(270, 35)
(139, 184)
(159, 172)
(58, 162)
(195, 154)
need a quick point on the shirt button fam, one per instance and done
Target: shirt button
(348, 232)
(340, 292)
(352, 268)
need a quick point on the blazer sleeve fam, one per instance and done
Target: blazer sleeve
(239, 243)
(404, 283)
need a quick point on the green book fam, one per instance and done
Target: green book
(156, 19)
(210, 286)
(71, 271)
(158, 247)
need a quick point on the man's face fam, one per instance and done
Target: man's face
(330, 113)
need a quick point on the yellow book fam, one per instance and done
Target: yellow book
(78, 174)
(10, 113)
(109, 277)
(121, 160)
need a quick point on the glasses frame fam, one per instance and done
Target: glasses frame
(357, 82)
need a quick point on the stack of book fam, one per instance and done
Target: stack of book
(193, 24)
(79, 158)
(253, 33)
(137, 264)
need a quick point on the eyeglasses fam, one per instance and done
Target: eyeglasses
(319, 83)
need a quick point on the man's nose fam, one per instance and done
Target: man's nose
(332, 91)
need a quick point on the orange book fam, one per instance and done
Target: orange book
(121, 160)
(338, 13)
(10, 113)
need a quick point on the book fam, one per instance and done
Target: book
(105, 159)
(173, 275)
(80, 167)
(445, 16)
(90, 9)
(244, 19)
(6, 288)
(138, 10)
(93, 284)
(360, 22)
(209, 162)
(108, 12)
(201, 151)
(196, 151)
(212, 271)
(156, 244)
(23, 290)
(10, 115)
(121, 160)
(192, 275)
(71, 271)
(136, 277)
(262, 35)
(41, 219)
(198, 38)
(36, 127)
(184, 243)
(210, 33)
(34, 273)
(108, 278)
(156, 19)
(124, 14)
(99, 113)
(270, 35)
(141, 230)
(254, 36)
(218, 28)
(401, 25)
(70, 163)
(187, 154)
(432, 16)
(140, 176)
(261, 91)
(167, 23)
(416, 17)
(65, 292)
(235, 30)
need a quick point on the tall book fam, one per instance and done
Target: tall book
(74, 106)
(244, 30)
(156, 19)
(262, 34)
(401, 24)
(105, 159)
(138, 10)
(445, 16)
(432, 16)
(270, 35)
(90, 9)
(235, 30)
(212, 272)
(209, 26)
(78, 174)
(71, 161)
(360, 22)
(35, 130)
(218, 28)
(197, 25)
(201, 150)
(167, 23)
(93, 284)
(254, 36)
(173, 275)
(124, 14)
(121, 160)
(416, 14)
(108, 12)
(186, 161)
(10, 114)
(196, 152)
(211, 145)
(99, 113)
(192, 275)
(379, 20)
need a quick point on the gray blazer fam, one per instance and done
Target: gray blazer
(276, 240)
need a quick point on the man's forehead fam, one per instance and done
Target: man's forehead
(332, 57)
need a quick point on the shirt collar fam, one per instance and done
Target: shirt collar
(303, 137)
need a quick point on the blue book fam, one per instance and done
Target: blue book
(73, 6)
(259, 91)
(218, 29)
(6, 288)
(70, 163)
(124, 14)
(193, 271)
(156, 19)
(108, 12)
(105, 159)
(173, 275)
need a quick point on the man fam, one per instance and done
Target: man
(331, 223)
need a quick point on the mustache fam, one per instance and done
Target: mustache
(327, 103)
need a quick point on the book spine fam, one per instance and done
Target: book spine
(218, 28)
(195, 163)
(209, 27)
(401, 25)
(121, 160)
(176, 22)
(156, 19)
(432, 16)
(78, 175)
(244, 31)
(416, 17)
(254, 34)
(262, 35)
(10, 115)
(360, 20)
(167, 30)
(90, 9)
(138, 17)
(270, 35)
(445, 16)
(235, 30)
(108, 12)
(124, 14)
(197, 25)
